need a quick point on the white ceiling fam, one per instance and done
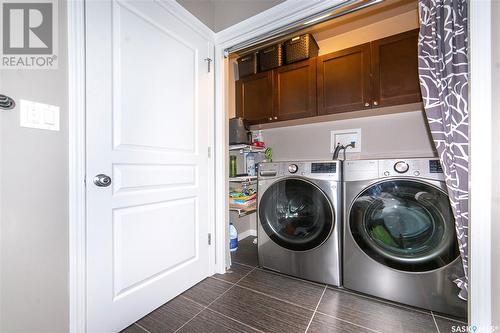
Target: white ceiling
(221, 14)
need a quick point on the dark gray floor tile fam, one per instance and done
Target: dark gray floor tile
(262, 312)
(292, 290)
(375, 315)
(246, 253)
(207, 291)
(212, 322)
(446, 325)
(170, 316)
(235, 273)
(133, 329)
(326, 324)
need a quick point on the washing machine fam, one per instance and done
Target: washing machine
(299, 221)
(399, 234)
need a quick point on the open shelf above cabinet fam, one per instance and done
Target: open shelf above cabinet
(243, 179)
(243, 211)
(247, 148)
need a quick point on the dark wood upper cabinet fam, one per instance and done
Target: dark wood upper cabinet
(376, 74)
(344, 80)
(254, 97)
(295, 91)
(395, 70)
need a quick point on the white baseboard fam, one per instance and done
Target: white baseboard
(247, 233)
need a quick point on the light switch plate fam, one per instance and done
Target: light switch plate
(345, 137)
(38, 115)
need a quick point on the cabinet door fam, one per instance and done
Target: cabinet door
(295, 91)
(395, 69)
(254, 98)
(344, 80)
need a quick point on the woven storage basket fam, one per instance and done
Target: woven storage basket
(247, 64)
(270, 57)
(300, 48)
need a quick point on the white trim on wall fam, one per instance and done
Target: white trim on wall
(247, 233)
(480, 165)
(272, 19)
(76, 110)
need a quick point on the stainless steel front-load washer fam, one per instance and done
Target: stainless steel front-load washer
(399, 234)
(299, 222)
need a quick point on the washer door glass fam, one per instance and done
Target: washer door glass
(406, 225)
(296, 214)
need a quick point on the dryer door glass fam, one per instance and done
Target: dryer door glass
(406, 225)
(296, 214)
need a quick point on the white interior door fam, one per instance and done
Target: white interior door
(148, 97)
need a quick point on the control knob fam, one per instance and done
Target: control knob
(401, 167)
(293, 168)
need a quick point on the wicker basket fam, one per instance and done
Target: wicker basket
(247, 64)
(300, 48)
(270, 57)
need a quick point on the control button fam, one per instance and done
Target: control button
(293, 168)
(401, 167)
(416, 173)
(387, 173)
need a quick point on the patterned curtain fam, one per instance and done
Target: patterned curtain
(444, 80)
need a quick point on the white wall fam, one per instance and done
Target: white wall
(230, 12)
(34, 201)
(495, 229)
(221, 14)
(393, 135)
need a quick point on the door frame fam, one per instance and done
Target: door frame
(279, 16)
(274, 18)
(77, 156)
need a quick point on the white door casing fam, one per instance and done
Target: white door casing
(148, 102)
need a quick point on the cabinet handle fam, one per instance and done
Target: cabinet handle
(270, 118)
(375, 103)
(367, 104)
(275, 118)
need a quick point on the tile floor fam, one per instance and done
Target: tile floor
(250, 299)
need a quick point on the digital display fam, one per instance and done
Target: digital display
(323, 167)
(435, 166)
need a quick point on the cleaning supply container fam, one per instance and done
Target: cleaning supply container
(233, 236)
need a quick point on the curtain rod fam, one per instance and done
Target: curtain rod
(323, 16)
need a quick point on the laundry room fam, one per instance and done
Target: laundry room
(230, 166)
(327, 123)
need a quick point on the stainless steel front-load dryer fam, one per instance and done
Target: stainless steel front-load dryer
(299, 219)
(399, 234)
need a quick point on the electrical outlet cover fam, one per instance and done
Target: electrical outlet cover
(345, 137)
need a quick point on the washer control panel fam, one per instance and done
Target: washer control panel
(419, 167)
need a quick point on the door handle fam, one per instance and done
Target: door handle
(102, 180)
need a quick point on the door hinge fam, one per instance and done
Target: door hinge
(209, 61)
(209, 239)
(209, 152)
